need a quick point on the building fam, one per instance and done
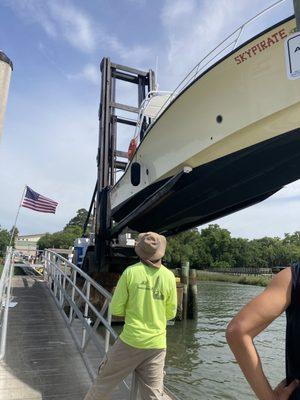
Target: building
(27, 244)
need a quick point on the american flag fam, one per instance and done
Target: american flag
(37, 202)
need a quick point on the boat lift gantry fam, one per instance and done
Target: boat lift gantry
(100, 253)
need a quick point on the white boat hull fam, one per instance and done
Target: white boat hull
(242, 101)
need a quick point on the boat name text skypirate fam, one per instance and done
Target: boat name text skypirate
(261, 46)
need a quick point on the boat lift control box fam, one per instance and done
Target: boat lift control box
(80, 247)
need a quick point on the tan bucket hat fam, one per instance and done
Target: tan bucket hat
(151, 247)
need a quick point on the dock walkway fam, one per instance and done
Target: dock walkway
(42, 360)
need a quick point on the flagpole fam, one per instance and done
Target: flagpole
(14, 226)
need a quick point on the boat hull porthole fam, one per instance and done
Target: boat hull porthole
(135, 174)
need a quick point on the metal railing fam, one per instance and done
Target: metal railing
(75, 293)
(230, 43)
(5, 291)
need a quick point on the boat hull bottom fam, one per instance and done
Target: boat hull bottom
(220, 187)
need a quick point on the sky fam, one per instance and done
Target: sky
(50, 134)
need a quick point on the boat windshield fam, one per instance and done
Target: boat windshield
(150, 108)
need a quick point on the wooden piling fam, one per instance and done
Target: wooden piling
(179, 289)
(185, 267)
(192, 295)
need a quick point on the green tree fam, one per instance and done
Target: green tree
(65, 238)
(178, 249)
(292, 238)
(79, 219)
(60, 240)
(242, 253)
(218, 242)
(187, 246)
(4, 241)
(257, 259)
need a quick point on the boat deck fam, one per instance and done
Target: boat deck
(42, 360)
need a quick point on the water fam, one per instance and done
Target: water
(200, 364)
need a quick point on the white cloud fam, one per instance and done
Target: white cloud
(55, 155)
(34, 11)
(49, 55)
(74, 25)
(62, 20)
(290, 192)
(89, 72)
(193, 28)
(136, 55)
(273, 217)
(175, 12)
(139, 3)
(59, 19)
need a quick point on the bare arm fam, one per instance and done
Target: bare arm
(248, 323)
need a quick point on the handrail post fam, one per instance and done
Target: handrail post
(107, 332)
(54, 279)
(6, 279)
(86, 312)
(60, 281)
(73, 295)
(64, 282)
(238, 37)
(46, 265)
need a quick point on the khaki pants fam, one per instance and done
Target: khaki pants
(123, 359)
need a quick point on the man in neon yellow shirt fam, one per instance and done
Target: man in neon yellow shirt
(146, 296)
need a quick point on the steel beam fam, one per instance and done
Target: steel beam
(129, 69)
(119, 153)
(297, 14)
(125, 107)
(90, 211)
(125, 77)
(126, 121)
(121, 165)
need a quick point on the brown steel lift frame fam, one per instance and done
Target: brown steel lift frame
(102, 255)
